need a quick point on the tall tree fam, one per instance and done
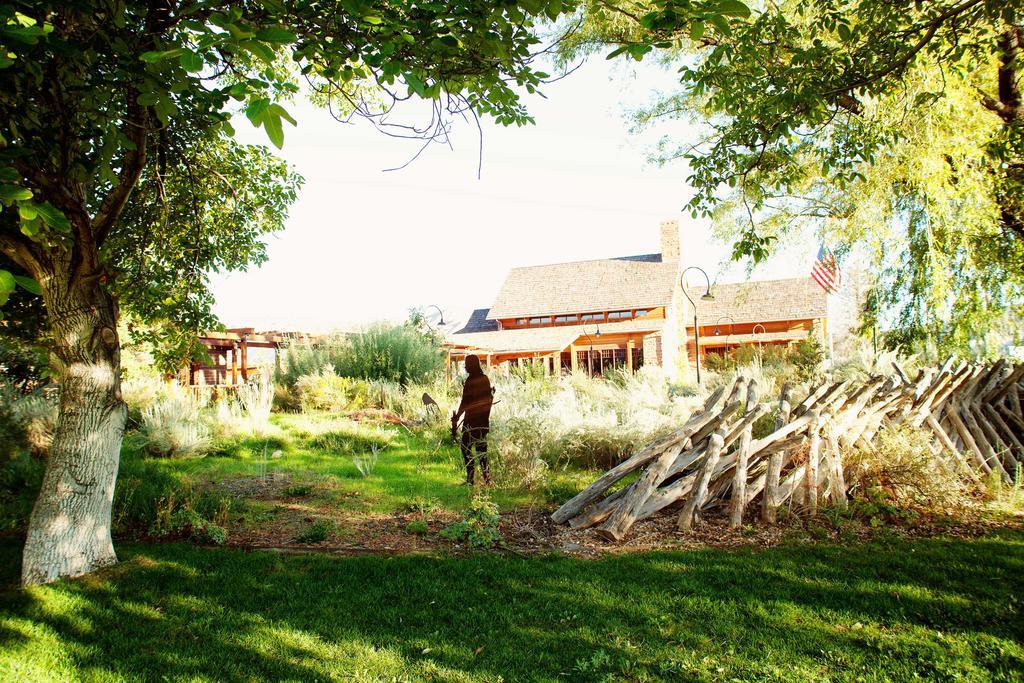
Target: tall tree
(96, 95)
(894, 127)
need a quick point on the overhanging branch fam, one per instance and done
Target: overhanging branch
(136, 129)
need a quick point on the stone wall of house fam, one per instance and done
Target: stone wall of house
(652, 349)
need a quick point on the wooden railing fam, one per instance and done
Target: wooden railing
(972, 414)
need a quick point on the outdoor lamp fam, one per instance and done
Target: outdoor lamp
(731, 323)
(440, 313)
(707, 296)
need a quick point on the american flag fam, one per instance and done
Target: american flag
(826, 271)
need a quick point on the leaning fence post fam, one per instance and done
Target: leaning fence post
(811, 466)
(770, 500)
(700, 490)
(739, 485)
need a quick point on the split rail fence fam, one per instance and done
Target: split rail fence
(971, 411)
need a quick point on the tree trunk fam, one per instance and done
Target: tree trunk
(69, 530)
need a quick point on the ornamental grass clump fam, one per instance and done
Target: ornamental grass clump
(900, 472)
(172, 426)
(577, 421)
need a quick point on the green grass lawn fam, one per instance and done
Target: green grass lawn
(936, 609)
(419, 468)
(420, 465)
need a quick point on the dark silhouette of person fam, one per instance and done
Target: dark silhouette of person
(477, 397)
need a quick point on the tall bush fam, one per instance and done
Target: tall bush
(384, 352)
(395, 353)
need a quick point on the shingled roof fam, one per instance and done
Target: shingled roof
(761, 301)
(586, 286)
(478, 322)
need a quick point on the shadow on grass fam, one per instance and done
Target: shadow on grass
(936, 608)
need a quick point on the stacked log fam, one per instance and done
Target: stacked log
(971, 411)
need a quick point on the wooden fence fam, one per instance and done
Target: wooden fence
(971, 412)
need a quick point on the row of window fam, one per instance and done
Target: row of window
(585, 317)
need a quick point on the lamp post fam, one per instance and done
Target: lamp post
(731, 323)
(754, 333)
(590, 354)
(707, 296)
(440, 313)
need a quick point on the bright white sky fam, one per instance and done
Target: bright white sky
(363, 245)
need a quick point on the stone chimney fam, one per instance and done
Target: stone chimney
(670, 240)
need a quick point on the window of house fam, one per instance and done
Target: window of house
(565, 319)
(521, 321)
(539, 321)
(593, 316)
(619, 315)
(641, 311)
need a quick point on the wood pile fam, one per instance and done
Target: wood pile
(972, 413)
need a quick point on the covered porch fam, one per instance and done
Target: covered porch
(557, 350)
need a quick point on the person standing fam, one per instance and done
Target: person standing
(477, 397)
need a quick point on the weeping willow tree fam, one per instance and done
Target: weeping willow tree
(894, 131)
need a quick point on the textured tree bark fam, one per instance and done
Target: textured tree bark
(69, 530)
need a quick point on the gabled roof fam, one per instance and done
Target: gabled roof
(586, 286)
(546, 339)
(478, 322)
(760, 301)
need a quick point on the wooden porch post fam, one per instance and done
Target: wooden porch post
(556, 364)
(245, 360)
(574, 361)
(629, 354)
(234, 364)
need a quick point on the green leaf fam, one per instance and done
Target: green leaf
(191, 62)
(275, 131)
(13, 193)
(258, 49)
(7, 282)
(27, 211)
(154, 56)
(845, 34)
(373, 19)
(275, 34)
(616, 52)
(28, 284)
(696, 30)
(416, 84)
(53, 217)
(732, 8)
(281, 112)
(254, 110)
(721, 24)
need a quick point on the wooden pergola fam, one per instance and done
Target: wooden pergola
(230, 353)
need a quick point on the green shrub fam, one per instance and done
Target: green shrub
(392, 353)
(298, 490)
(325, 391)
(478, 526)
(395, 353)
(901, 473)
(347, 438)
(20, 479)
(808, 356)
(418, 527)
(27, 421)
(187, 523)
(317, 532)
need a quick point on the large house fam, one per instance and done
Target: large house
(630, 311)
